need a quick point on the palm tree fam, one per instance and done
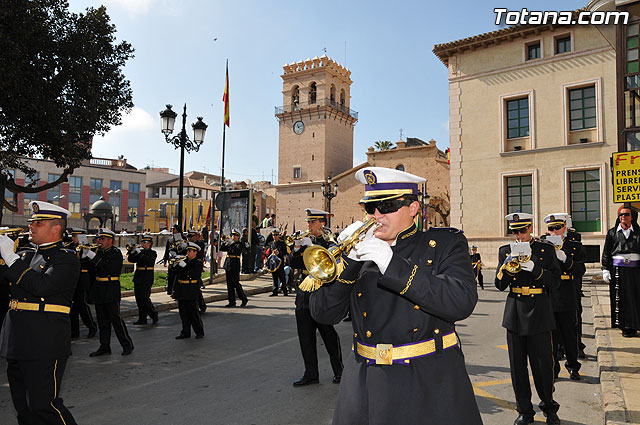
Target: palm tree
(383, 145)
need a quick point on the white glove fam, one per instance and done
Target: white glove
(528, 266)
(6, 250)
(349, 230)
(606, 275)
(374, 249)
(182, 264)
(561, 255)
(87, 253)
(306, 241)
(137, 251)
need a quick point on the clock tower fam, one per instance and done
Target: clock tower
(315, 135)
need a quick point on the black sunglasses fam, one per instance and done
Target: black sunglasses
(520, 230)
(624, 214)
(386, 207)
(553, 228)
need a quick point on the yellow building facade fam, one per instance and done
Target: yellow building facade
(532, 127)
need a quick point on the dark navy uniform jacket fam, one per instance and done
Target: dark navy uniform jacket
(530, 314)
(108, 265)
(297, 262)
(564, 299)
(234, 251)
(46, 277)
(428, 286)
(187, 286)
(146, 258)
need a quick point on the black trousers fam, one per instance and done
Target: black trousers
(581, 346)
(234, 286)
(537, 349)
(35, 390)
(307, 336)
(81, 309)
(279, 275)
(171, 279)
(142, 292)
(108, 315)
(565, 333)
(190, 317)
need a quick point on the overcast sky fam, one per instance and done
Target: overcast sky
(181, 47)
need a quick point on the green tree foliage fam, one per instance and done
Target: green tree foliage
(62, 83)
(383, 145)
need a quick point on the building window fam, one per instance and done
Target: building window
(53, 194)
(312, 92)
(400, 167)
(534, 51)
(163, 210)
(114, 197)
(155, 192)
(332, 95)
(632, 49)
(296, 172)
(134, 202)
(75, 195)
(584, 192)
(28, 197)
(95, 191)
(519, 199)
(163, 191)
(582, 108)
(563, 44)
(342, 97)
(517, 118)
(295, 98)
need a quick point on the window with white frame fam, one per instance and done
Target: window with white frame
(584, 200)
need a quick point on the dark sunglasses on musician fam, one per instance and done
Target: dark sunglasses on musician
(554, 228)
(520, 230)
(386, 207)
(624, 214)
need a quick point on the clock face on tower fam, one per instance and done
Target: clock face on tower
(298, 127)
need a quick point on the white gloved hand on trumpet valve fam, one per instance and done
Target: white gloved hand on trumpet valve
(528, 266)
(6, 250)
(561, 255)
(373, 249)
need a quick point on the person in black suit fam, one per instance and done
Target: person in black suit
(194, 237)
(187, 292)
(476, 262)
(280, 250)
(80, 308)
(234, 250)
(145, 259)
(406, 289)
(305, 323)
(565, 307)
(176, 245)
(528, 318)
(36, 332)
(105, 293)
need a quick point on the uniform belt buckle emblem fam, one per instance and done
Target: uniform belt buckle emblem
(626, 261)
(384, 354)
(525, 290)
(13, 305)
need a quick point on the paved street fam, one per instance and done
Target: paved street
(241, 372)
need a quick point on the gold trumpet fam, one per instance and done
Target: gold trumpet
(174, 260)
(321, 263)
(514, 265)
(92, 247)
(291, 240)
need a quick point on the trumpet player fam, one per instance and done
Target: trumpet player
(144, 258)
(528, 318)
(275, 263)
(305, 324)
(80, 309)
(36, 334)
(187, 291)
(234, 250)
(406, 289)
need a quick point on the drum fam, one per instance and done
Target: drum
(273, 263)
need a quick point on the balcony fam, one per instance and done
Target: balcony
(306, 106)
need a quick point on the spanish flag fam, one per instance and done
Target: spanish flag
(225, 99)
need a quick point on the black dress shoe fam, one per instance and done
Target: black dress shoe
(127, 351)
(155, 319)
(229, 305)
(100, 352)
(574, 375)
(199, 336)
(523, 419)
(183, 336)
(552, 418)
(140, 322)
(337, 379)
(274, 294)
(305, 381)
(92, 333)
(244, 303)
(203, 309)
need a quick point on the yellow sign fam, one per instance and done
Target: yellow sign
(626, 176)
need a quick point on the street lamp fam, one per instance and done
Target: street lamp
(155, 217)
(59, 198)
(329, 194)
(114, 214)
(182, 141)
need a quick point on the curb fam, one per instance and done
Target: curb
(611, 394)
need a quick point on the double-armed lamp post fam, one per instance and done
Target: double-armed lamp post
(182, 141)
(329, 194)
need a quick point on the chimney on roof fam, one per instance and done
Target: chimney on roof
(400, 144)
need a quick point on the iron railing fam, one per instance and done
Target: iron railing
(304, 106)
